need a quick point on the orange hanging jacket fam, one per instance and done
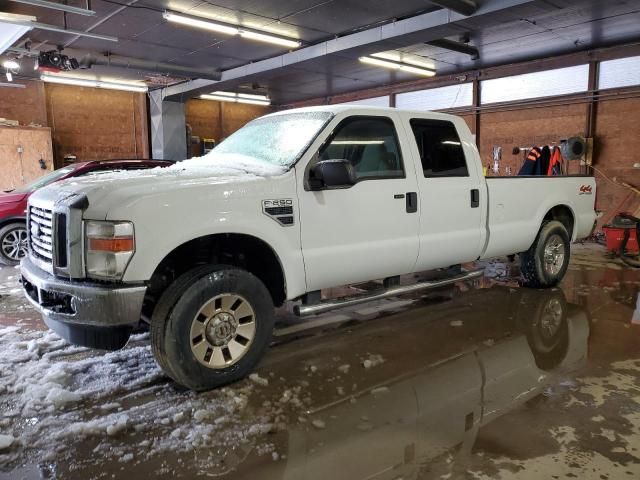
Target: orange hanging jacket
(555, 164)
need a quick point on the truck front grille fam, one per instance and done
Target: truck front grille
(41, 233)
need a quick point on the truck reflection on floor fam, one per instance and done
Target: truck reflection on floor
(404, 423)
(451, 369)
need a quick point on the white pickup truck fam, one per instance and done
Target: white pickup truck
(293, 203)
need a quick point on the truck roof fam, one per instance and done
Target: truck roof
(360, 108)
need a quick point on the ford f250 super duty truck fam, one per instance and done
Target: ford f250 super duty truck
(293, 203)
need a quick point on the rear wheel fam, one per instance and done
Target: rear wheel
(13, 243)
(211, 326)
(546, 262)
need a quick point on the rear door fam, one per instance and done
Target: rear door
(451, 192)
(368, 230)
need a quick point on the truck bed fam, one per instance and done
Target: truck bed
(518, 205)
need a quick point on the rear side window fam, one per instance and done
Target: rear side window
(440, 148)
(370, 144)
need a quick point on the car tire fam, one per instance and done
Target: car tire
(211, 326)
(9, 234)
(545, 263)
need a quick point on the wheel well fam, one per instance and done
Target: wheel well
(7, 221)
(244, 251)
(563, 214)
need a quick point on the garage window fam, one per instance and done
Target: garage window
(547, 83)
(370, 144)
(622, 72)
(442, 98)
(440, 148)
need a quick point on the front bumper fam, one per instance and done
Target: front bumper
(88, 314)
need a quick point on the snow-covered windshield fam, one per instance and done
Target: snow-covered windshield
(277, 140)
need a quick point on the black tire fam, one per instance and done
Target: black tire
(537, 273)
(9, 229)
(179, 305)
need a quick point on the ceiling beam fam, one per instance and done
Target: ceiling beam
(418, 29)
(89, 59)
(463, 7)
(454, 46)
(57, 6)
(55, 28)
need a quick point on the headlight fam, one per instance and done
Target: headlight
(109, 247)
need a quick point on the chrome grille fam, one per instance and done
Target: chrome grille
(41, 233)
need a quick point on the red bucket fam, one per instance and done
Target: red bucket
(615, 236)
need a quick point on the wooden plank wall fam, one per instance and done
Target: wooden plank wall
(21, 149)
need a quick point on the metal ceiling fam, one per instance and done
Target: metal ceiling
(527, 30)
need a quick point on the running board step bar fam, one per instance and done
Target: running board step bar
(322, 307)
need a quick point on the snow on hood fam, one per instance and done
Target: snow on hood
(213, 168)
(210, 165)
(214, 163)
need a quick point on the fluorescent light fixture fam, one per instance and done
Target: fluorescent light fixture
(427, 72)
(87, 82)
(237, 97)
(251, 96)
(225, 94)
(357, 142)
(450, 142)
(214, 26)
(254, 102)
(13, 85)
(11, 65)
(266, 38)
(196, 22)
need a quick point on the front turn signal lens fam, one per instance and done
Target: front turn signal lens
(109, 248)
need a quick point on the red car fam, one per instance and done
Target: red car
(13, 204)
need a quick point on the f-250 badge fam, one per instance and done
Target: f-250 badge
(280, 209)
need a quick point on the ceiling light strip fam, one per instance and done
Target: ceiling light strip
(86, 82)
(427, 72)
(237, 97)
(227, 29)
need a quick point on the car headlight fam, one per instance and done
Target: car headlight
(109, 247)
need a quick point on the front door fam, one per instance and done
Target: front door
(368, 230)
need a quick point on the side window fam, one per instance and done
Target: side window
(440, 148)
(370, 144)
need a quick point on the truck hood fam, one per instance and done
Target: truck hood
(119, 189)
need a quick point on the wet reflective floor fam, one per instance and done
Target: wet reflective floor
(481, 381)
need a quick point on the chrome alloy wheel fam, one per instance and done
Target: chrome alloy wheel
(222, 330)
(554, 252)
(14, 244)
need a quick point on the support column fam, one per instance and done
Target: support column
(168, 128)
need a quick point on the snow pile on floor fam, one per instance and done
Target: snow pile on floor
(372, 361)
(63, 403)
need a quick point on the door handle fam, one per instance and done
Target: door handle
(412, 202)
(475, 198)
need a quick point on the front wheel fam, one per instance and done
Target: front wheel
(13, 243)
(545, 263)
(211, 326)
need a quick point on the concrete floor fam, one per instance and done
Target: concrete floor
(488, 381)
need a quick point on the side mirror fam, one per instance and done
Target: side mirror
(332, 174)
